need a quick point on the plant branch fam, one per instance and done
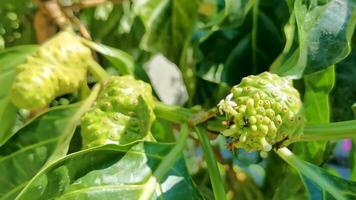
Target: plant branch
(98, 71)
(173, 155)
(332, 131)
(215, 178)
(179, 115)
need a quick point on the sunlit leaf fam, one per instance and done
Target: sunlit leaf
(324, 31)
(9, 59)
(319, 183)
(112, 172)
(29, 149)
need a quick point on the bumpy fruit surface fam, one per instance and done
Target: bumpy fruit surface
(122, 114)
(58, 67)
(264, 110)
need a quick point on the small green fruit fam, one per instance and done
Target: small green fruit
(265, 109)
(122, 114)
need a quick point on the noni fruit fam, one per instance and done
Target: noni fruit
(123, 113)
(58, 67)
(264, 110)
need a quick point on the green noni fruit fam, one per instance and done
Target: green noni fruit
(264, 110)
(58, 67)
(123, 113)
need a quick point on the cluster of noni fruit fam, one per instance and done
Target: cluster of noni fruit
(264, 110)
(58, 67)
(123, 113)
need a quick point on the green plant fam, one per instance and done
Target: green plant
(266, 82)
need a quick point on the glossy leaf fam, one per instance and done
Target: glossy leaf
(27, 151)
(113, 171)
(9, 59)
(39, 143)
(236, 10)
(319, 183)
(324, 33)
(344, 93)
(168, 24)
(317, 111)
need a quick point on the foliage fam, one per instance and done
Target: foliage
(80, 120)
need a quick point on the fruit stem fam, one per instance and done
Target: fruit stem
(98, 71)
(181, 115)
(177, 114)
(214, 173)
(172, 113)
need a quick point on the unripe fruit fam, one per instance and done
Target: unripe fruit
(264, 110)
(58, 67)
(122, 114)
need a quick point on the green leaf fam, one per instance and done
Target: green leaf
(317, 111)
(27, 151)
(344, 93)
(122, 61)
(39, 143)
(168, 24)
(320, 184)
(324, 32)
(236, 11)
(113, 171)
(9, 59)
(352, 157)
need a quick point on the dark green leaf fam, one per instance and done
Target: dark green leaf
(169, 25)
(317, 111)
(9, 59)
(324, 31)
(319, 183)
(27, 151)
(113, 172)
(236, 10)
(344, 93)
(39, 143)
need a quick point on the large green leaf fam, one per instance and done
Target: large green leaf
(169, 25)
(319, 183)
(324, 30)
(29, 149)
(41, 142)
(113, 172)
(344, 93)
(317, 111)
(9, 58)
